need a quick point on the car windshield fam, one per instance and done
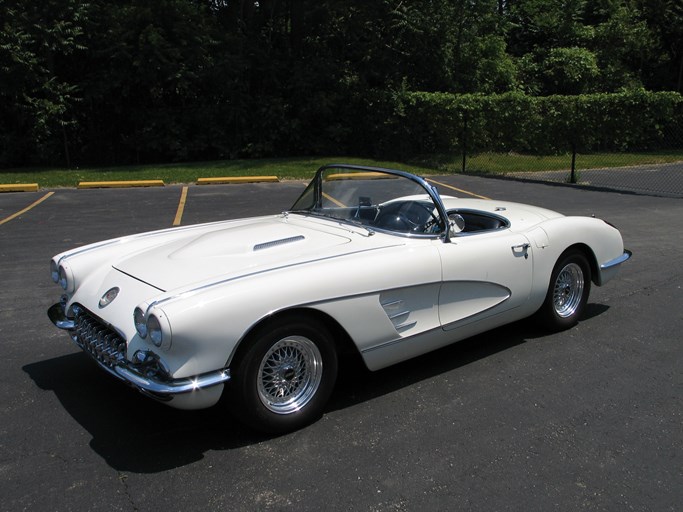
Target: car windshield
(376, 198)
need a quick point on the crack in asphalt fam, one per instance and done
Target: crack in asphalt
(123, 478)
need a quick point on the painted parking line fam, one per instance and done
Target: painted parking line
(181, 207)
(457, 189)
(29, 207)
(333, 200)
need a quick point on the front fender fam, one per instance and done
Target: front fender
(208, 326)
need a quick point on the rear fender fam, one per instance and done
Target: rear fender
(600, 242)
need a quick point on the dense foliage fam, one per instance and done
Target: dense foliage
(450, 123)
(102, 82)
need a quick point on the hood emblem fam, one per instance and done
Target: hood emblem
(108, 297)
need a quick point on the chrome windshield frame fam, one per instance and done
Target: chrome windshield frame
(431, 191)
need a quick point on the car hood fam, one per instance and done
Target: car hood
(225, 251)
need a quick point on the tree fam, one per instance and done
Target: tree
(149, 82)
(37, 94)
(664, 19)
(121, 82)
(624, 47)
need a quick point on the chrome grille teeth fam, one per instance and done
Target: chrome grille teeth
(99, 341)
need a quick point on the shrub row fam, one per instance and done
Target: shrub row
(423, 123)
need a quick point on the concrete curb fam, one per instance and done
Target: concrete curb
(237, 179)
(19, 187)
(33, 187)
(120, 184)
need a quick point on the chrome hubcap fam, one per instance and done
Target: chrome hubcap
(568, 290)
(290, 374)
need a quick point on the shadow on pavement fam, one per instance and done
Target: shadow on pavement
(136, 434)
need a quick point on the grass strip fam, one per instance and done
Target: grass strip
(303, 168)
(284, 168)
(503, 163)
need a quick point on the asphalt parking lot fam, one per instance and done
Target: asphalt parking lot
(515, 419)
(665, 180)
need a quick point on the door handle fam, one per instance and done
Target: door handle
(521, 248)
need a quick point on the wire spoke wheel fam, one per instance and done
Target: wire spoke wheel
(285, 374)
(289, 375)
(568, 290)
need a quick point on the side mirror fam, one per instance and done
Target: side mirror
(456, 224)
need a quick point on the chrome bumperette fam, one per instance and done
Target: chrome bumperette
(56, 315)
(164, 390)
(146, 371)
(616, 261)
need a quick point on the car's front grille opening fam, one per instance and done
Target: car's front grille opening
(100, 341)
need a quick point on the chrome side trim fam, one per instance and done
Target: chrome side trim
(191, 291)
(386, 344)
(617, 261)
(396, 314)
(460, 323)
(476, 316)
(125, 239)
(405, 326)
(391, 304)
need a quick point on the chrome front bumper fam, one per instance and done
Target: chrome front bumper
(146, 371)
(617, 261)
(610, 268)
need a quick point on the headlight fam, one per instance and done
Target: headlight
(140, 323)
(54, 271)
(63, 279)
(152, 325)
(154, 330)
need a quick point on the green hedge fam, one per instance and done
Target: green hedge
(438, 122)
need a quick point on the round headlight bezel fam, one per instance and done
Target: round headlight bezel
(54, 271)
(155, 331)
(140, 322)
(63, 278)
(152, 325)
(66, 278)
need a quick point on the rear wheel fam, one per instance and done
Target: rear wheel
(284, 379)
(567, 295)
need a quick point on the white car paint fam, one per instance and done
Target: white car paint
(394, 295)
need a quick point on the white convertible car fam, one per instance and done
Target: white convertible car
(367, 260)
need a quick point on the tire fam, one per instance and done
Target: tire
(284, 379)
(570, 284)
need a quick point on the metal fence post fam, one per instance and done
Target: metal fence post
(464, 143)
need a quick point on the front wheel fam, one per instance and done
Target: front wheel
(284, 379)
(567, 295)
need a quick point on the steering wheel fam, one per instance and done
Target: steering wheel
(431, 225)
(408, 216)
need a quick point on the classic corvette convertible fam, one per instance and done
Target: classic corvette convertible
(367, 260)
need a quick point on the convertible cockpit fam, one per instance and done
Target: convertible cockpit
(390, 201)
(476, 221)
